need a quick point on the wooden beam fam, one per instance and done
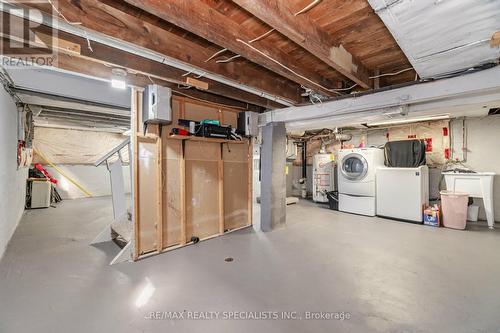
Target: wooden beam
(159, 189)
(250, 182)
(135, 111)
(113, 57)
(279, 15)
(220, 164)
(122, 21)
(182, 194)
(79, 65)
(202, 20)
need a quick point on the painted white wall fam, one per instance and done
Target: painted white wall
(12, 180)
(483, 153)
(483, 136)
(96, 180)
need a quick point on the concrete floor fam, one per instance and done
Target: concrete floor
(389, 276)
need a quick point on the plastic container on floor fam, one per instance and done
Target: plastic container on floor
(454, 208)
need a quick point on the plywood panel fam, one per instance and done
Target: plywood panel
(200, 112)
(148, 195)
(172, 154)
(202, 151)
(230, 118)
(202, 189)
(236, 184)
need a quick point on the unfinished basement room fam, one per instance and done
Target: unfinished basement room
(250, 166)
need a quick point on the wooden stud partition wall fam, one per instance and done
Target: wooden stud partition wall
(186, 187)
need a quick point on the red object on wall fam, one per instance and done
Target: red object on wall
(445, 131)
(428, 144)
(447, 153)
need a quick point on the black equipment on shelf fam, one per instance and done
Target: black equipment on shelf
(213, 131)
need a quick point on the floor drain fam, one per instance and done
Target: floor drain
(228, 259)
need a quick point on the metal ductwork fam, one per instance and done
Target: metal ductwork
(442, 37)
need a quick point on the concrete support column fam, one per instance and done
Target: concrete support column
(273, 178)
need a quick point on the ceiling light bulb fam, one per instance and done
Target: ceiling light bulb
(118, 78)
(119, 84)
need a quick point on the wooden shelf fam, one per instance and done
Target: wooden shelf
(199, 138)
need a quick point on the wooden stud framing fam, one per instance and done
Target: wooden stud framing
(152, 234)
(159, 174)
(221, 190)
(250, 182)
(135, 166)
(182, 167)
(182, 111)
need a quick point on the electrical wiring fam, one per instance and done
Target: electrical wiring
(61, 14)
(392, 74)
(286, 67)
(223, 61)
(72, 23)
(8, 83)
(264, 35)
(215, 54)
(196, 76)
(190, 72)
(200, 76)
(306, 8)
(337, 91)
(374, 77)
(348, 88)
(185, 87)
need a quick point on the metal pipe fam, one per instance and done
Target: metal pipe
(136, 50)
(304, 159)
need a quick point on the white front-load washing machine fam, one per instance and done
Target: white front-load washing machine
(357, 181)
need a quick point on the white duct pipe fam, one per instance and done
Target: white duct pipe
(137, 50)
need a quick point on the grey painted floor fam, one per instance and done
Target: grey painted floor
(389, 276)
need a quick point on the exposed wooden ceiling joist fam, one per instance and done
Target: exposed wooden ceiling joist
(201, 19)
(112, 57)
(299, 28)
(125, 22)
(92, 68)
(99, 70)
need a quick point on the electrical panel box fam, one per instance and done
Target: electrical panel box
(157, 105)
(248, 123)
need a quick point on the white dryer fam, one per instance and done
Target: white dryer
(357, 181)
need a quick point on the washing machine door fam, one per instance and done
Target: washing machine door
(354, 167)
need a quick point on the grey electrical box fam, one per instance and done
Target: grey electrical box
(157, 105)
(248, 123)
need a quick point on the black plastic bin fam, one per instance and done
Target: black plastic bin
(333, 199)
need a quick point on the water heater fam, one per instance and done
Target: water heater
(323, 176)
